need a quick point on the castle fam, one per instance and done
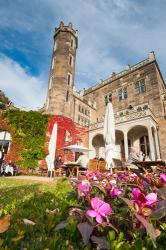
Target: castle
(138, 95)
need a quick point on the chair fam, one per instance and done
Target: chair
(59, 172)
(93, 165)
(102, 165)
(119, 166)
(43, 171)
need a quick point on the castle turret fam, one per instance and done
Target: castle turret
(61, 80)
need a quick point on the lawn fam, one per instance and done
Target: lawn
(45, 204)
(99, 211)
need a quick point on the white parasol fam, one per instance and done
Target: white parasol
(77, 148)
(109, 135)
(52, 147)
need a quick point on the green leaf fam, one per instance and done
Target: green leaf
(111, 235)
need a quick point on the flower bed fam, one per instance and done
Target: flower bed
(120, 211)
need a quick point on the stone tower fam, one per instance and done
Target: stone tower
(61, 80)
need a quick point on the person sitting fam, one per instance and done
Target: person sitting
(58, 162)
(9, 169)
(82, 161)
(135, 156)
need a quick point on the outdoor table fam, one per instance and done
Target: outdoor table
(146, 165)
(71, 168)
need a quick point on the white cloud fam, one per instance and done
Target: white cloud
(112, 33)
(20, 86)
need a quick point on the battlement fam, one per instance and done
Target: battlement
(124, 72)
(66, 28)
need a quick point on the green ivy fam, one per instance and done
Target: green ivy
(30, 128)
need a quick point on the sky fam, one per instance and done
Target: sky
(111, 34)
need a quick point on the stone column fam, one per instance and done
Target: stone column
(151, 144)
(157, 144)
(126, 145)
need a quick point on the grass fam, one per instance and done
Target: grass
(34, 201)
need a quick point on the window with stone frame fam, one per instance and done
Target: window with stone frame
(140, 86)
(69, 79)
(70, 60)
(122, 94)
(67, 95)
(72, 43)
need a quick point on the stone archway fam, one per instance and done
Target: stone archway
(139, 137)
(98, 144)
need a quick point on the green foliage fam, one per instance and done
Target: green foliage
(46, 204)
(30, 128)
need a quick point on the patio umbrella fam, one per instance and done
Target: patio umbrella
(109, 135)
(77, 148)
(52, 146)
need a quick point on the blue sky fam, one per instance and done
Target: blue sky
(112, 33)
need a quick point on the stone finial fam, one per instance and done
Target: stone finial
(127, 67)
(113, 75)
(61, 24)
(151, 56)
(70, 25)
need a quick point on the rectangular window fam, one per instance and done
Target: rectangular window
(125, 93)
(140, 87)
(122, 93)
(70, 60)
(69, 79)
(72, 43)
(67, 96)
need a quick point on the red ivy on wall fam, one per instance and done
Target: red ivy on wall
(67, 129)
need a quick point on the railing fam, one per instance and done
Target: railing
(128, 116)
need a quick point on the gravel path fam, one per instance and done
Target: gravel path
(32, 178)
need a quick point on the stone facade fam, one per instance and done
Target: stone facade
(138, 95)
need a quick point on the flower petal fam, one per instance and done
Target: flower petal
(91, 213)
(99, 218)
(105, 210)
(151, 198)
(96, 203)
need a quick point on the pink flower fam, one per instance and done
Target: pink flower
(163, 178)
(143, 201)
(84, 187)
(90, 174)
(100, 209)
(116, 192)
